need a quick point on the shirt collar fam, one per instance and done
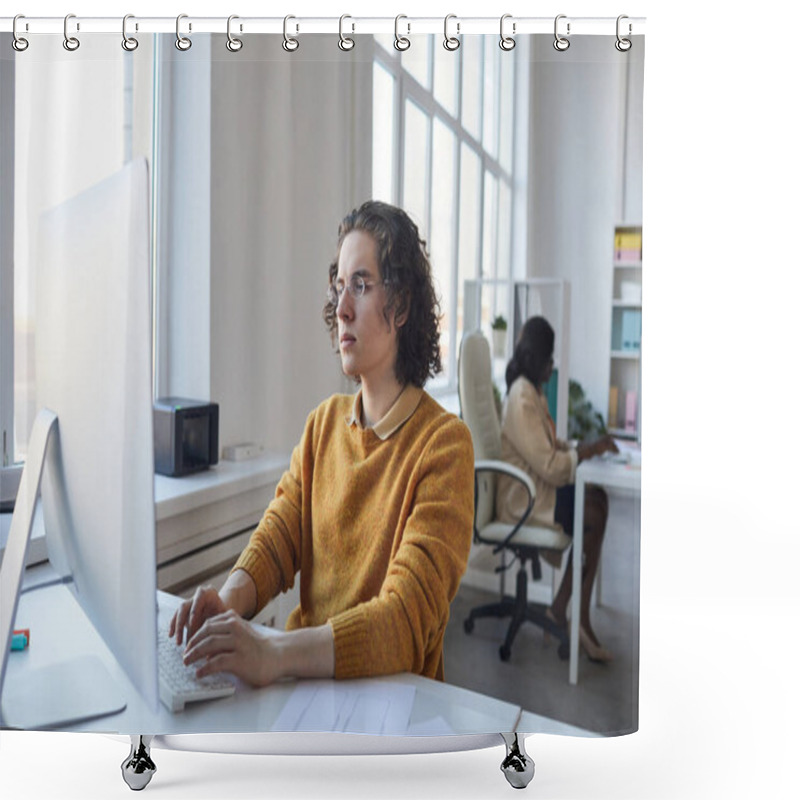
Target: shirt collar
(405, 405)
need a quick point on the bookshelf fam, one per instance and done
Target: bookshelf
(624, 394)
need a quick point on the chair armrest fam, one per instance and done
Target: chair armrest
(503, 467)
(493, 465)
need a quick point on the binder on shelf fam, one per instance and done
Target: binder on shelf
(632, 330)
(613, 406)
(628, 245)
(630, 411)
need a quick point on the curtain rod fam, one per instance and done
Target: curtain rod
(566, 25)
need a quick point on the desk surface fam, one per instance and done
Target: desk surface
(59, 630)
(608, 472)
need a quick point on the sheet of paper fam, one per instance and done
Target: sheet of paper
(348, 707)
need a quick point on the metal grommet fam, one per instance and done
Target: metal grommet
(290, 43)
(19, 43)
(182, 42)
(623, 45)
(345, 42)
(561, 43)
(401, 43)
(233, 44)
(70, 42)
(128, 42)
(507, 42)
(451, 42)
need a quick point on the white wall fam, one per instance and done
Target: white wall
(582, 155)
(290, 145)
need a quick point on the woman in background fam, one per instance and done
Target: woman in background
(529, 442)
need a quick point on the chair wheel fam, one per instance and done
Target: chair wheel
(505, 653)
(469, 625)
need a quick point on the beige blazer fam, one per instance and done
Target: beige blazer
(529, 442)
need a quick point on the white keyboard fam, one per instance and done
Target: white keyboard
(177, 684)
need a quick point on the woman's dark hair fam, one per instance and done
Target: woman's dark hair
(532, 352)
(404, 265)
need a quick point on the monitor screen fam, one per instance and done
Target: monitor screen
(93, 370)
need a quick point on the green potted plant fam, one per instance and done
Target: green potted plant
(585, 423)
(499, 329)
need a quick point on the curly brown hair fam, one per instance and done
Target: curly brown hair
(406, 270)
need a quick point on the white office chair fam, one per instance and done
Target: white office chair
(523, 540)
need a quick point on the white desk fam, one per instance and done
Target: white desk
(441, 713)
(603, 472)
(530, 723)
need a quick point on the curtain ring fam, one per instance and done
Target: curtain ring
(233, 44)
(19, 43)
(451, 42)
(70, 42)
(401, 43)
(623, 45)
(128, 42)
(182, 42)
(345, 42)
(290, 43)
(507, 42)
(561, 43)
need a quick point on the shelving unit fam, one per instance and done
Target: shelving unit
(625, 399)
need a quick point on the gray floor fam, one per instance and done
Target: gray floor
(605, 700)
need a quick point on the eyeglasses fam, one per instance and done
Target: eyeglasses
(357, 287)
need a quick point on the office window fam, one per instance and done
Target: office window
(126, 88)
(448, 162)
(383, 130)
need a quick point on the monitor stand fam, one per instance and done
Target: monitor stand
(62, 693)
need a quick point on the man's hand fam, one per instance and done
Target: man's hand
(191, 614)
(230, 644)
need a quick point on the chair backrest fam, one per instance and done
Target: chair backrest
(478, 410)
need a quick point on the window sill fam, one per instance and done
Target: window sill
(175, 496)
(194, 511)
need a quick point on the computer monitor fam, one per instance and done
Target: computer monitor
(93, 374)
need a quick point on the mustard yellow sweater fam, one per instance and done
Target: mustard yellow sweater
(379, 530)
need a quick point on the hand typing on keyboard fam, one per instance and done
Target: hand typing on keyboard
(227, 643)
(219, 639)
(191, 614)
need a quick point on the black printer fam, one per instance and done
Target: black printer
(186, 435)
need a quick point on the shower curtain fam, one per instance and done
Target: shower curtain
(522, 167)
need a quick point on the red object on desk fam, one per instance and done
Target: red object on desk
(26, 632)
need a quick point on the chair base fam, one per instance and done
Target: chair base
(520, 610)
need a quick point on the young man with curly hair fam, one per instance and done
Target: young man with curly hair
(375, 511)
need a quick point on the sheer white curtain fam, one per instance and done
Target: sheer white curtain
(72, 129)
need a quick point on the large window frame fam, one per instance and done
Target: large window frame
(490, 251)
